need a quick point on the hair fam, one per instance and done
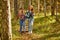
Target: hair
(20, 8)
(32, 9)
(22, 11)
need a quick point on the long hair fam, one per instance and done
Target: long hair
(30, 7)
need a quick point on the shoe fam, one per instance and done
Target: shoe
(30, 32)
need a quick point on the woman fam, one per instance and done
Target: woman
(21, 16)
(30, 17)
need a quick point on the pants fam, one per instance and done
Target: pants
(22, 25)
(30, 24)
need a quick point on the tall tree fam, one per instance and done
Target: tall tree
(15, 6)
(30, 2)
(9, 20)
(6, 21)
(53, 6)
(45, 8)
(0, 16)
(56, 9)
(22, 3)
(38, 5)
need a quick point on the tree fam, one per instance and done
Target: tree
(45, 8)
(6, 20)
(15, 6)
(56, 10)
(53, 6)
(30, 2)
(22, 3)
(0, 16)
(38, 6)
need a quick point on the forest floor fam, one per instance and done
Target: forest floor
(44, 28)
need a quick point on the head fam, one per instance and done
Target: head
(21, 10)
(30, 7)
(32, 10)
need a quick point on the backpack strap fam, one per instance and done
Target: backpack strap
(28, 14)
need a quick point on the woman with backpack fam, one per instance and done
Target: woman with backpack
(30, 17)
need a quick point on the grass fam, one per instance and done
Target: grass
(44, 28)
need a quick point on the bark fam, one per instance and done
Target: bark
(30, 2)
(15, 6)
(45, 8)
(56, 10)
(53, 6)
(9, 20)
(38, 5)
(0, 17)
(6, 21)
(22, 4)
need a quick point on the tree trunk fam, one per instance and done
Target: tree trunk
(38, 5)
(56, 10)
(15, 7)
(45, 8)
(9, 20)
(0, 17)
(30, 2)
(22, 4)
(6, 20)
(53, 7)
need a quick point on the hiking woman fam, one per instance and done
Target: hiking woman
(21, 16)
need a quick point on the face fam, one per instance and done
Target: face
(20, 11)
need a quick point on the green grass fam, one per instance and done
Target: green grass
(44, 28)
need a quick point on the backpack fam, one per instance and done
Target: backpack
(29, 14)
